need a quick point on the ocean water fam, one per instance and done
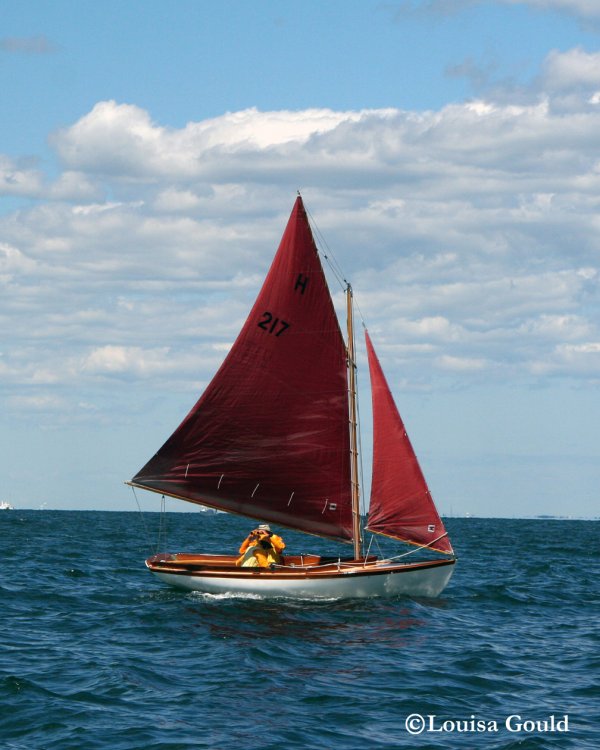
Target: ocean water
(97, 653)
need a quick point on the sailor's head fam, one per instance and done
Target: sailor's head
(262, 531)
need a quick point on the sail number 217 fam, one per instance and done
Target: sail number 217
(271, 324)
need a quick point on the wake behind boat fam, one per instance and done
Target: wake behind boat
(274, 437)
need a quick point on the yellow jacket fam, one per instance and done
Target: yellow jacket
(248, 559)
(276, 541)
(265, 557)
(257, 557)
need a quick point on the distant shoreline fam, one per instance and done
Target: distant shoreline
(451, 518)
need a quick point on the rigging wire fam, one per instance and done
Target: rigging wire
(360, 315)
(327, 253)
(368, 549)
(376, 538)
(146, 533)
(162, 526)
(332, 261)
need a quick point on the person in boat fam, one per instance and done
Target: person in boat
(261, 548)
(260, 555)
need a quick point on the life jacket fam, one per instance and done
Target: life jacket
(265, 556)
(276, 542)
(278, 545)
(248, 559)
(258, 556)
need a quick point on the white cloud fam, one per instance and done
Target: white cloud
(572, 79)
(470, 235)
(173, 200)
(460, 364)
(74, 186)
(121, 140)
(119, 360)
(565, 70)
(435, 327)
(586, 9)
(17, 179)
(582, 359)
(38, 403)
(563, 327)
(13, 262)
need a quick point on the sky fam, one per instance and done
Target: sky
(449, 154)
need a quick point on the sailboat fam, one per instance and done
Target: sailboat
(274, 437)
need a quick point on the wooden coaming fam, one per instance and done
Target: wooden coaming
(295, 567)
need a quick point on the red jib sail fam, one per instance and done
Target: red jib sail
(401, 504)
(269, 437)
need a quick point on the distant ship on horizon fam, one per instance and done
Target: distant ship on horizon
(5, 505)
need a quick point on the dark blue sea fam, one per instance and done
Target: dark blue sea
(95, 653)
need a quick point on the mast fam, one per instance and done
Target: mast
(356, 534)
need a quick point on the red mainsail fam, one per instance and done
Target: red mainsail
(269, 437)
(401, 504)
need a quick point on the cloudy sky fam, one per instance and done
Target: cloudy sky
(449, 152)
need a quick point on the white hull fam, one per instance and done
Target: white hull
(417, 579)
